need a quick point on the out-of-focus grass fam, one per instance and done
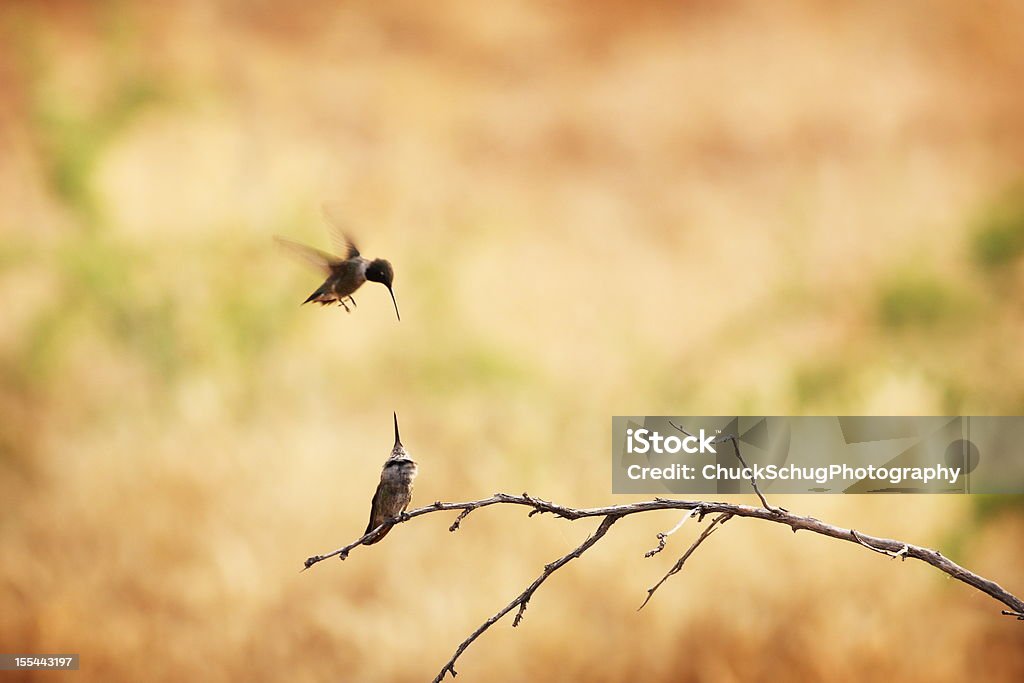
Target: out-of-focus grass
(999, 234)
(919, 300)
(989, 506)
(74, 136)
(819, 384)
(590, 213)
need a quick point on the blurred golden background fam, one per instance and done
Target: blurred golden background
(593, 208)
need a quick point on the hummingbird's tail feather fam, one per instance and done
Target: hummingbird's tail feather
(375, 519)
(377, 537)
(315, 295)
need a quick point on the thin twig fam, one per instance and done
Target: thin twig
(342, 552)
(665, 534)
(736, 448)
(524, 598)
(680, 428)
(458, 520)
(754, 481)
(716, 523)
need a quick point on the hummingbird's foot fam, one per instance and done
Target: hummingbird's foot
(354, 305)
(342, 302)
(402, 517)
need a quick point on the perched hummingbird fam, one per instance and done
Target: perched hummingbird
(344, 275)
(394, 492)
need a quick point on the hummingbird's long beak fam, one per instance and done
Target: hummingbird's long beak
(396, 304)
(398, 439)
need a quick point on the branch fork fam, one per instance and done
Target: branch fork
(723, 512)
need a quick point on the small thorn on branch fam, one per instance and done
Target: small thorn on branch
(1010, 613)
(536, 503)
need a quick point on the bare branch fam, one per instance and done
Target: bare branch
(724, 511)
(716, 523)
(524, 598)
(342, 552)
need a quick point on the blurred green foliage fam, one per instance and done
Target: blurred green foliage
(71, 136)
(109, 287)
(917, 300)
(107, 276)
(74, 140)
(820, 384)
(998, 237)
(985, 508)
(990, 506)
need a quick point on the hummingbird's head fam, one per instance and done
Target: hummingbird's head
(398, 452)
(381, 271)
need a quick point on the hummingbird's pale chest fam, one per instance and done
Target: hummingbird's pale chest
(399, 475)
(395, 490)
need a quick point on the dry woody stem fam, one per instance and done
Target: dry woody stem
(723, 512)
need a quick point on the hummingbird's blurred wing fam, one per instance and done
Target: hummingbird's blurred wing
(319, 259)
(334, 215)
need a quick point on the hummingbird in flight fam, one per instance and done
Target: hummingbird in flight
(394, 492)
(345, 274)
